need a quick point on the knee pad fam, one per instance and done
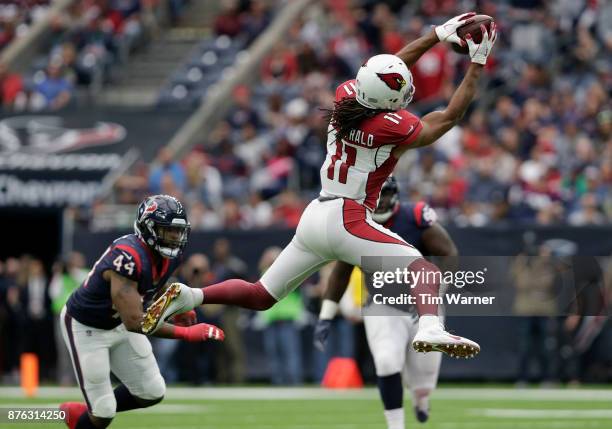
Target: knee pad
(104, 407)
(154, 389)
(387, 364)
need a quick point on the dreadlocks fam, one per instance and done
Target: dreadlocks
(347, 114)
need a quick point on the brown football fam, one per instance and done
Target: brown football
(473, 28)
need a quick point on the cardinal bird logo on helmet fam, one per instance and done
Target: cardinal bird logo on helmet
(395, 81)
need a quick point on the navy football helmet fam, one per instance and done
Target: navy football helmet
(388, 202)
(162, 224)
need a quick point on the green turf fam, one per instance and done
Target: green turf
(450, 410)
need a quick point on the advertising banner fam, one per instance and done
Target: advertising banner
(61, 159)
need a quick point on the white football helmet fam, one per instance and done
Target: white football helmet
(384, 82)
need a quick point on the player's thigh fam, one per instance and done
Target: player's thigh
(422, 369)
(90, 355)
(132, 362)
(387, 337)
(294, 265)
(357, 235)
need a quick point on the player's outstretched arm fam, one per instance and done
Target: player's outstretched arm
(436, 124)
(438, 242)
(126, 300)
(128, 303)
(336, 286)
(446, 32)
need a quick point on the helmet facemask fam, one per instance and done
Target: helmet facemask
(170, 240)
(409, 94)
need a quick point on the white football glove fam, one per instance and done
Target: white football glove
(480, 52)
(447, 32)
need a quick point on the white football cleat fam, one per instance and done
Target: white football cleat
(176, 299)
(431, 337)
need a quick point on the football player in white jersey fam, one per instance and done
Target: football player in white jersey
(369, 131)
(389, 334)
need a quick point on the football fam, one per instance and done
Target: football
(473, 28)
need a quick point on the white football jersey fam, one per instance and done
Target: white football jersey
(357, 167)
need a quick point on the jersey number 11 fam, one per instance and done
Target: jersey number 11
(351, 157)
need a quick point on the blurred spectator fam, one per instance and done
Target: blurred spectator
(203, 180)
(289, 209)
(588, 213)
(13, 319)
(163, 165)
(35, 303)
(243, 112)
(536, 303)
(280, 66)
(231, 356)
(256, 19)
(133, 187)
(257, 213)
(282, 338)
(431, 73)
(52, 90)
(197, 361)
(228, 22)
(67, 276)
(11, 85)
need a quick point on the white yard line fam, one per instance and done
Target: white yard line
(315, 393)
(556, 424)
(528, 413)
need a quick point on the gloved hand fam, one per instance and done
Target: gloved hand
(321, 333)
(185, 319)
(199, 332)
(447, 32)
(480, 52)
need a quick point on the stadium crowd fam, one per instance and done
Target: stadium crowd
(86, 41)
(535, 148)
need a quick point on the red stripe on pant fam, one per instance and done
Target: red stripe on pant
(354, 220)
(75, 357)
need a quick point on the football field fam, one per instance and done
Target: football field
(310, 408)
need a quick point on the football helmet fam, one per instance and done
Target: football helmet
(388, 202)
(162, 224)
(384, 83)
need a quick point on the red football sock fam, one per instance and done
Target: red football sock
(239, 292)
(427, 284)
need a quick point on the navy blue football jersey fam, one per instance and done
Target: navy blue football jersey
(131, 258)
(410, 221)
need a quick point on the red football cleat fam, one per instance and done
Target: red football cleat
(73, 411)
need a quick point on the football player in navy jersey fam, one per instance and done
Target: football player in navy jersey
(101, 322)
(389, 337)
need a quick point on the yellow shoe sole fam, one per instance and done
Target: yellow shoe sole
(152, 316)
(453, 350)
